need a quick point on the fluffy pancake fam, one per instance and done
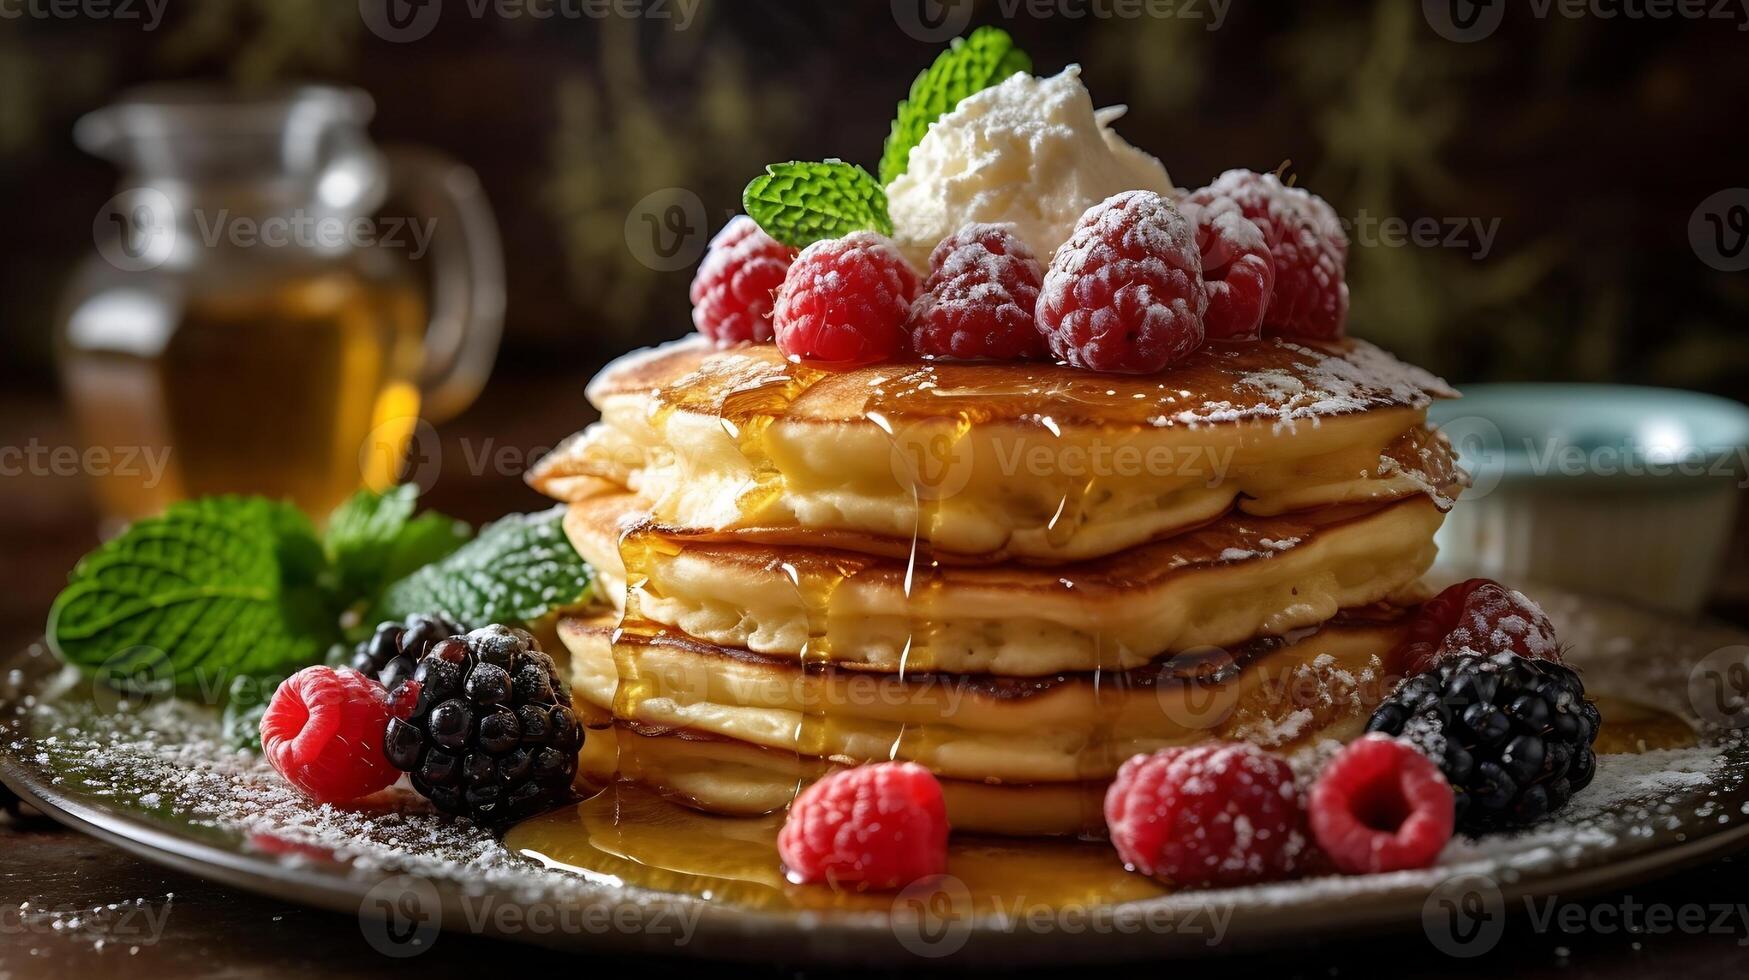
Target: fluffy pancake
(726, 776)
(1236, 578)
(1001, 460)
(1071, 727)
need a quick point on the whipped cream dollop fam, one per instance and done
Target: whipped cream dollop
(1029, 151)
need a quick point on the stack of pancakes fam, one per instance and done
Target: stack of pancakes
(1017, 575)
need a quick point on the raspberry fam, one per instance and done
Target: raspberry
(1237, 270)
(323, 731)
(1310, 299)
(1379, 805)
(845, 302)
(878, 826)
(979, 298)
(732, 294)
(1207, 816)
(1481, 617)
(1124, 293)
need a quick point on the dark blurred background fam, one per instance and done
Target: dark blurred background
(1549, 169)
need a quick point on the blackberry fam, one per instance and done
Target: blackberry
(395, 648)
(1513, 736)
(492, 734)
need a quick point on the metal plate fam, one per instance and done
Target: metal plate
(183, 813)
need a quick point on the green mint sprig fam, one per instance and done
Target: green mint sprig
(970, 65)
(801, 203)
(211, 589)
(518, 570)
(374, 539)
(225, 589)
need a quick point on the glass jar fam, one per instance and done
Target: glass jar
(250, 322)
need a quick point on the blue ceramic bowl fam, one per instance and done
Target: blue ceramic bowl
(1610, 489)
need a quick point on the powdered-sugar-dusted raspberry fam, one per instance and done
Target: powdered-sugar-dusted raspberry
(1237, 270)
(737, 282)
(1380, 805)
(845, 301)
(876, 826)
(979, 298)
(323, 731)
(1125, 292)
(1480, 617)
(1207, 816)
(1308, 245)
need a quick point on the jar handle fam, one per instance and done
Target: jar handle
(466, 280)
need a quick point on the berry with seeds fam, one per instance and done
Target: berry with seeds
(1237, 270)
(482, 739)
(1125, 292)
(878, 826)
(1205, 816)
(1379, 805)
(394, 649)
(1307, 244)
(1513, 736)
(844, 302)
(323, 731)
(736, 284)
(979, 298)
(1479, 616)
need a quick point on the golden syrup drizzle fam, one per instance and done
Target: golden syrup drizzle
(638, 548)
(927, 429)
(631, 837)
(750, 392)
(625, 835)
(1630, 728)
(745, 404)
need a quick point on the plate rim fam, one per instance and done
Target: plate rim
(826, 937)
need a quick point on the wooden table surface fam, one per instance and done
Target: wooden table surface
(165, 923)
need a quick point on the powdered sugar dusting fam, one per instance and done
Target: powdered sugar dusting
(1502, 619)
(169, 759)
(1320, 383)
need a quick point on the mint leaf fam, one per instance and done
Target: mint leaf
(516, 571)
(971, 65)
(245, 703)
(428, 538)
(240, 725)
(373, 539)
(368, 520)
(212, 589)
(801, 203)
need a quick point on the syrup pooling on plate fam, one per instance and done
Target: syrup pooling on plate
(626, 835)
(1630, 727)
